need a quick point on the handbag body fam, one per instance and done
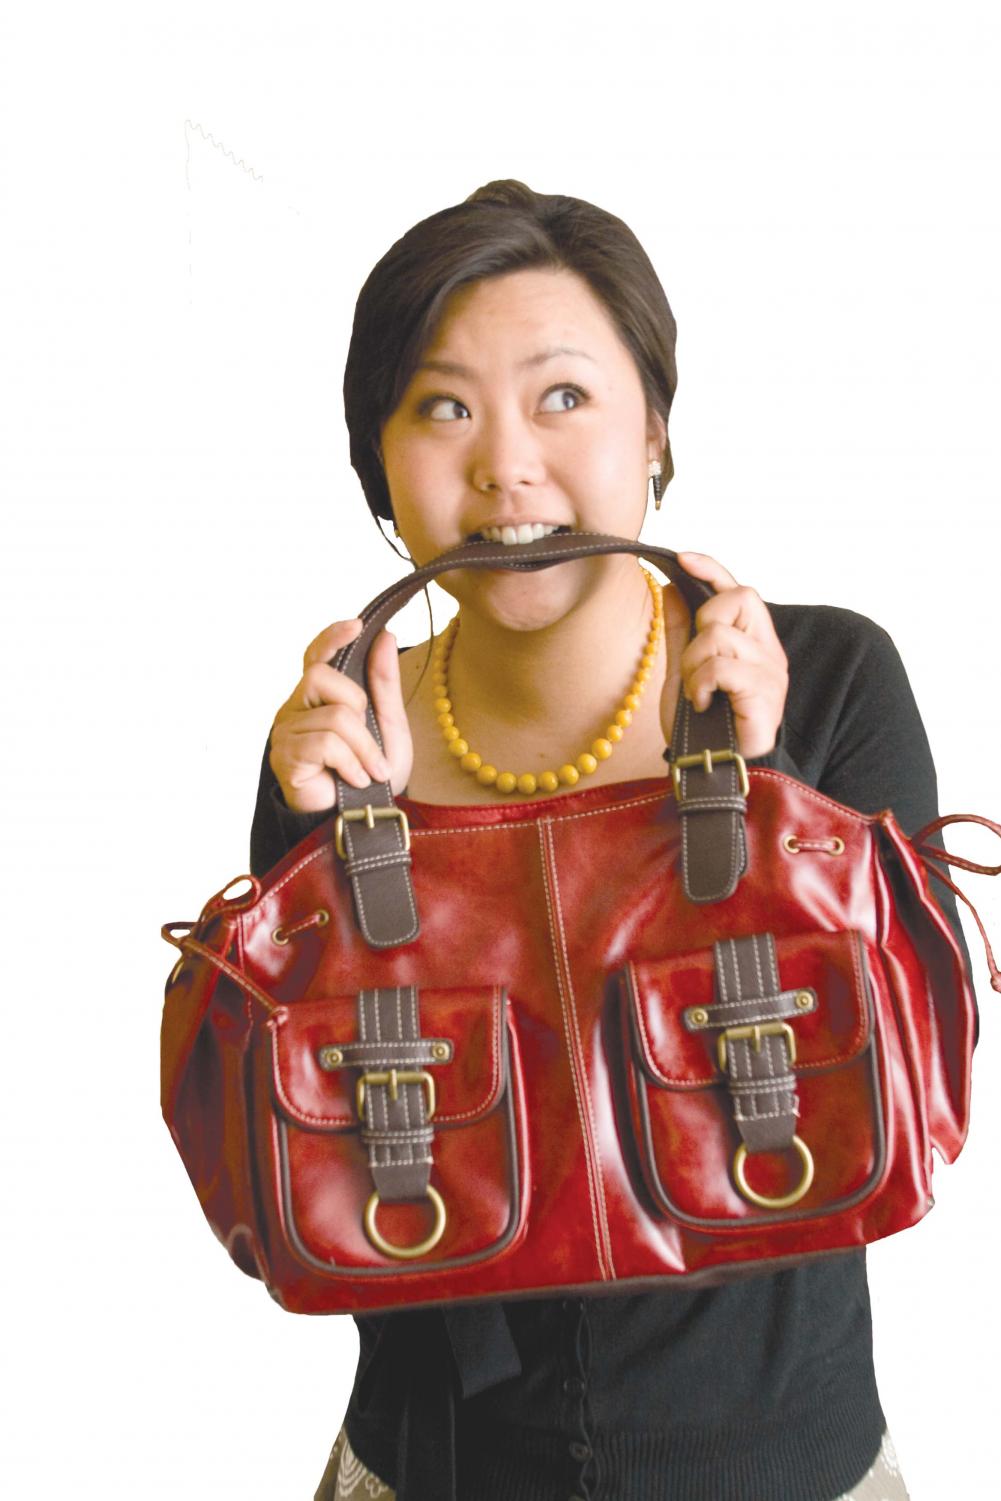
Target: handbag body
(623, 1037)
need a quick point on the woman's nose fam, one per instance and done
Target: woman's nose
(507, 453)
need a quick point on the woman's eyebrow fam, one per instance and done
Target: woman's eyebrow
(449, 367)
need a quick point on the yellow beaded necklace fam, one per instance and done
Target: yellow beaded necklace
(569, 774)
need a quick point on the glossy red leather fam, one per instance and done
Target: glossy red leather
(584, 1138)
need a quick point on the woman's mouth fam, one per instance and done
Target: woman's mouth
(514, 535)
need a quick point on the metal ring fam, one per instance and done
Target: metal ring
(379, 1241)
(787, 1199)
(791, 843)
(278, 936)
(322, 917)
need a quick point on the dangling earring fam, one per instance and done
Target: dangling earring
(654, 472)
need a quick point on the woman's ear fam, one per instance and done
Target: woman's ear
(656, 434)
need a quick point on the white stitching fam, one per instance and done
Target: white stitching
(543, 828)
(351, 1119)
(755, 940)
(846, 816)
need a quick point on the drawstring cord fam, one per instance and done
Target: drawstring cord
(927, 852)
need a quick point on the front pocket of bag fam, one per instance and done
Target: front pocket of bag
(686, 1087)
(459, 1106)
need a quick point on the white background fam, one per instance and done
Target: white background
(191, 203)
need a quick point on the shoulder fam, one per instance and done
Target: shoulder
(845, 672)
(829, 636)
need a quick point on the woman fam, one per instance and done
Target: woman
(512, 365)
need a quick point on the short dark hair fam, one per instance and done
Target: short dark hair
(501, 227)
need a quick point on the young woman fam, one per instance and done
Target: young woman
(512, 367)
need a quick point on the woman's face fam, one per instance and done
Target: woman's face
(527, 407)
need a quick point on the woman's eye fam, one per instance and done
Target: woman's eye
(578, 397)
(427, 407)
(430, 407)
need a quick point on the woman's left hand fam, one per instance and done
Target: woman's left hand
(736, 648)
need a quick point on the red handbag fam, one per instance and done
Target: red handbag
(443, 1053)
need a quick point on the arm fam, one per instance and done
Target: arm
(852, 724)
(276, 829)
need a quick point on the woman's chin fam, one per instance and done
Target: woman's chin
(518, 600)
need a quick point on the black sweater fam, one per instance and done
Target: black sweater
(760, 1390)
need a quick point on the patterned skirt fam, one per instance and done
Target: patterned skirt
(347, 1479)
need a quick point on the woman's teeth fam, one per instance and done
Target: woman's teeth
(529, 532)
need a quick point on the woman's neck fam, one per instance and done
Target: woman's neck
(530, 695)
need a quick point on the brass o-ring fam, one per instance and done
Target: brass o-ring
(380, 1242)
(790, 1198)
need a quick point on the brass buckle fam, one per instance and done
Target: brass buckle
(785, 1200)
(707, 759)
(369, 814)
(756, 1030)
(401, 1252)
(394, 1077)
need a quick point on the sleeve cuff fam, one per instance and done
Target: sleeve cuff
(295, 826)
(778, 758)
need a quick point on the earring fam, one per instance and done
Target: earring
(654, 473)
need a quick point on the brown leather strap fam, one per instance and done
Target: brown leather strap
(373, 836)
(756, 1042)
(396, 1111)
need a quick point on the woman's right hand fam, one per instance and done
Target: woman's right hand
(321, 726)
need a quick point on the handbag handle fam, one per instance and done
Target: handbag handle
(372, 834)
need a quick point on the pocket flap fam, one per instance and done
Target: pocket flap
(468, 1085)
(836, 1029)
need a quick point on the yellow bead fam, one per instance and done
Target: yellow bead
(471, 761)
(569, 775)
(648, 658)
(506, 781)
(458, 747)
(602, 749)
(548, 781)
(624, 716)
(614, 733)
(587, 762)
(527, 782)
(643, 676)
(631, 701)
(444, 719)
(487, 775)
(442, 705)
(450, 732)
